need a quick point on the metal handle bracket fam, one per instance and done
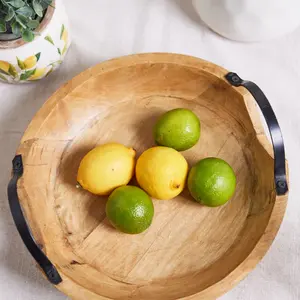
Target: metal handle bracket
(22, 227)
(274, 129)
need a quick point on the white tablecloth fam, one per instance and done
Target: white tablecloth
(104, 29)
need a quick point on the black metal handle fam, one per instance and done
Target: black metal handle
(17, 213)
(274, 129)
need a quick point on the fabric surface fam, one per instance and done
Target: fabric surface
(103, 29)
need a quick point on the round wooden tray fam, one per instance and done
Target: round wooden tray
(190, 251)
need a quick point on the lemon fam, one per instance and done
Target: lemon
(8, 69)
(4, 66)
(178, 128)
(38, 73)
(31, 61)
(162, 172)
(130, 209)
(65, 36)
(212, 181)
(106, 167)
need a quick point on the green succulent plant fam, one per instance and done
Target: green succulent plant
(22, 17)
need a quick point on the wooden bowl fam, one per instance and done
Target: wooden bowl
(190, 251)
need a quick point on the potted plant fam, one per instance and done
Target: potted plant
(34, 39)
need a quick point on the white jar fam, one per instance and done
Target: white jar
(250, 20)
(23, 62)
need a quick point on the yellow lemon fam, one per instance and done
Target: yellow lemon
(39, 73)
(106, 167)
(8, 68)
(64, 36)
(162, 172)
(4, 66)
(30, 62)
(65, 49)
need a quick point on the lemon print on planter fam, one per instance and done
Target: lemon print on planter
(29, 63)
(39, 73)
(105, 168)
(8, 69)
(4, 66)
(162, 172)
(64, 35)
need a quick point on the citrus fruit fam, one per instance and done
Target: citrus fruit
(64, 34)
(178, 128)
(31, 61)
(38, 73)
(8, 68)
(4, 66)
(105, 168)
(162, 172)
(212, 182)
(130, 209)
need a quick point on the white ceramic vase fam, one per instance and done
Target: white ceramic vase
(23, 62)
(250, 20)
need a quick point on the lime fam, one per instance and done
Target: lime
(212, 182)
(178, 128)
(130, 209)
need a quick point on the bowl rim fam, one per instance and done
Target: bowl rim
(72, 288)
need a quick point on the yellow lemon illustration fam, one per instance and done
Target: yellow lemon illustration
(4, 66)
(20, 64)
(105, 168)
(65, 36)
(31, 61)
(162, 172)
(12, 71)
(65, 49)
(8, 68)
(39, 73)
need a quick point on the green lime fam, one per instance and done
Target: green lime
(178, 128)
(130, 209)
(212, 181)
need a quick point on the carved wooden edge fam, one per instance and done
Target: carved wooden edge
(20, 42)
(77, 291)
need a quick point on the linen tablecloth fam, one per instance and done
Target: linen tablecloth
(103, 29)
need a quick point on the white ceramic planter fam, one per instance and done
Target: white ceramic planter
(22, 62)
(250, 20)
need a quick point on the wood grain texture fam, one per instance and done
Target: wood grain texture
(190, 251)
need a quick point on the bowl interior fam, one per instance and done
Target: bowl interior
(189, 247)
